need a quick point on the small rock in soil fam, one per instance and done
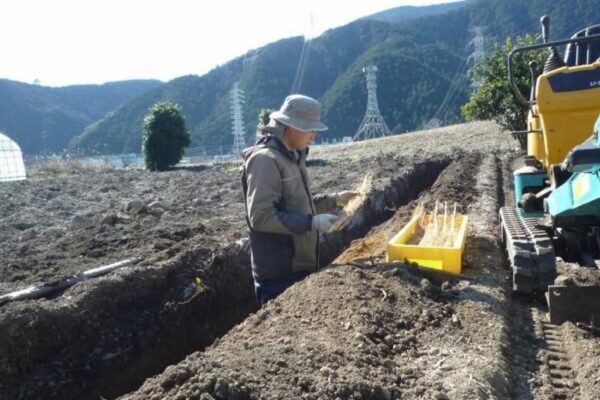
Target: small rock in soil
(174, 375)
(328, 371)
(135, 207)
(157, 204)
(28, 235)
(79, 222)
(455, 320)
(389, 340)
(563, 280)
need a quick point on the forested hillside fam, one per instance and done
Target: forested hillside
(45, 119)
(423, 65)
(405, 13)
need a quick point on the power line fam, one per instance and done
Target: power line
(299, 78)
(456, 81)
(303, 61)
(477, 55)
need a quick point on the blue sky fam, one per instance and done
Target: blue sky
(64, 42)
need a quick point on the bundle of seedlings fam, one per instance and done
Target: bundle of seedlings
(439, 229)
(353, 205)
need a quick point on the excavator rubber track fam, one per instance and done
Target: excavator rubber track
(530, 252)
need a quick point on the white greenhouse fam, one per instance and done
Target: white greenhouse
(12, 167)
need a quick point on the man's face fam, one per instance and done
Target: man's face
(298, 140)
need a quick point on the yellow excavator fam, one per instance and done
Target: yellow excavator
(557, 188)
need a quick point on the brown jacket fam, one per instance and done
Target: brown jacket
(279, 209)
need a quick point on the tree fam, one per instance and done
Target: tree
(263, 119)
(494, 99)
(165, 136)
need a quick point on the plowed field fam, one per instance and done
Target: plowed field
(183, 322)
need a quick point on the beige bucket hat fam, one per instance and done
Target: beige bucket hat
(300, 112)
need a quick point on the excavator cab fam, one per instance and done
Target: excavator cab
(583, 53)
(563, 105)
(557, 189)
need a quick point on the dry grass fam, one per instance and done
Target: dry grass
(353, 205)
(65, 165)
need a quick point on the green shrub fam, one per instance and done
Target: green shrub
(495, 99)
(165, 136)
(263, 119)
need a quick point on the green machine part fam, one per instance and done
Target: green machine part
(579, 196)
(528, 180)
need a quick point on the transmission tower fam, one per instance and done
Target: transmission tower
(432, 124)
(478, 54)
(237, 101)
(372, 124)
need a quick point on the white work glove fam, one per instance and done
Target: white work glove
(244, 245)
(344, 197)
(323, 222)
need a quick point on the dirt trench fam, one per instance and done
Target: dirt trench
(122, 328)
(132, 324)
(366, 329)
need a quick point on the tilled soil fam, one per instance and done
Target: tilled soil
(50, 221)
(85, 342)
(359, 329)
(348, 332)
(103, 336)
(43, 239)
(583, 349)
(185, 303)
(551, 362)
(370, 331)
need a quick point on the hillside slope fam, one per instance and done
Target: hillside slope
(405, 13)
(44, 119)
(423, 74)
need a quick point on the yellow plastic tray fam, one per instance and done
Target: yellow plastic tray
(447, 259)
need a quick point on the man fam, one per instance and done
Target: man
(284, 219)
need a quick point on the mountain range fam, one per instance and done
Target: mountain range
(422, 55)
(44, 119)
